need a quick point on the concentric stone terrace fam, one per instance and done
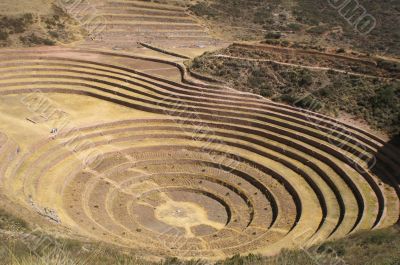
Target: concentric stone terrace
(121, 24)
(146, 158)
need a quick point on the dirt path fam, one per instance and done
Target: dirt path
(315, 68)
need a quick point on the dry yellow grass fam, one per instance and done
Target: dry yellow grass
(129, 150)
(9, 7)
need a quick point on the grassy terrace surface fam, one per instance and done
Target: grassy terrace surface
(365, 88)
(378, 247)
(111, 152)
(126, 23)
(221, 171)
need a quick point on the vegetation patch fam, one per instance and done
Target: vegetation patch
(375, 100)
(239, 19)
(322, 18)
(309, 23)
(33, 29)
(37, 248)
(9, 222)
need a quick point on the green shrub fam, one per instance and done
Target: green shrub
(14, 25)
(318, 30)
(340, 50)
(326, 91)
(203, 10)
(261, 15)
(48, 42)
(294, 26)
(33, 39)
(53, 34)
(3, 35)
(273, 35)
(272, 41)
(308, 102)
(390, 66)
(304, 78)
(266, 91)
(385, 97)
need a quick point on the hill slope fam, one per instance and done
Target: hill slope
(36, 23)
(312, 22)
(331, 84)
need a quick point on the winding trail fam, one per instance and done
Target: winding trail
(314, 68)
